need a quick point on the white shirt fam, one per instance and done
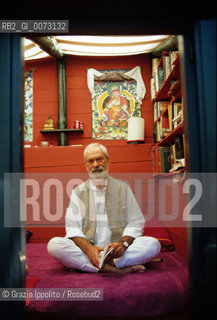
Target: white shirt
(76, 210)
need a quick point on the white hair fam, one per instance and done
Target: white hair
(96, 145)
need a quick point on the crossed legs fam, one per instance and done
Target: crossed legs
(141, 251)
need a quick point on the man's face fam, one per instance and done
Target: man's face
(96, 163)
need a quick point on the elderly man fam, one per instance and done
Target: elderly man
(103, 211)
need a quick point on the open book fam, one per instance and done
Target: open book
(105, 254)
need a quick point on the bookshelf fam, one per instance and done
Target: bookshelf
(168, 149)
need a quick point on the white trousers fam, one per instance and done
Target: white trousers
(141, 251)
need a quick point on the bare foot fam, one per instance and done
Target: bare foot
(132, 269)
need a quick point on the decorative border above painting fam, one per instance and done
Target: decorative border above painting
(116, 95)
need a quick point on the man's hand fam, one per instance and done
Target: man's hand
(119, 249)
(119, 246)
(93, 254)
(90, 250)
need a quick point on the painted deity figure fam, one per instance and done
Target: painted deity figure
(116, 110)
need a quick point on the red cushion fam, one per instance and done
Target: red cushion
(154, 228)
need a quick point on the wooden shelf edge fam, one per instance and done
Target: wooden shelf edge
(62, 130)
(165, 53)
(168, 174)
(167, 140)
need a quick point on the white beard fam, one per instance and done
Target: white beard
(99, 175)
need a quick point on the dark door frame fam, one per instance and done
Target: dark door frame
(199, 52)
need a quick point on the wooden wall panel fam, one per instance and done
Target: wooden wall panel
(45, 96)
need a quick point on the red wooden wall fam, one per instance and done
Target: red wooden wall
(45, 95)
(124, 158)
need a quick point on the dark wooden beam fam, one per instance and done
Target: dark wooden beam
(62, 106)
(47, 44)
(168, 45)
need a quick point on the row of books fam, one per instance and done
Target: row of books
(159, 132)
(157, 82)
(169, 158)
(161, 70)
(172, 116)
(159, 107)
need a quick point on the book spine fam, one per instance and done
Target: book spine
(179, 147)
(160, 77)
(155, 63)
(158, 162)
(153, 90)
(165, 159)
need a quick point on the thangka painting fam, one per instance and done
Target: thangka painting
(113, 103)
(28, 107)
